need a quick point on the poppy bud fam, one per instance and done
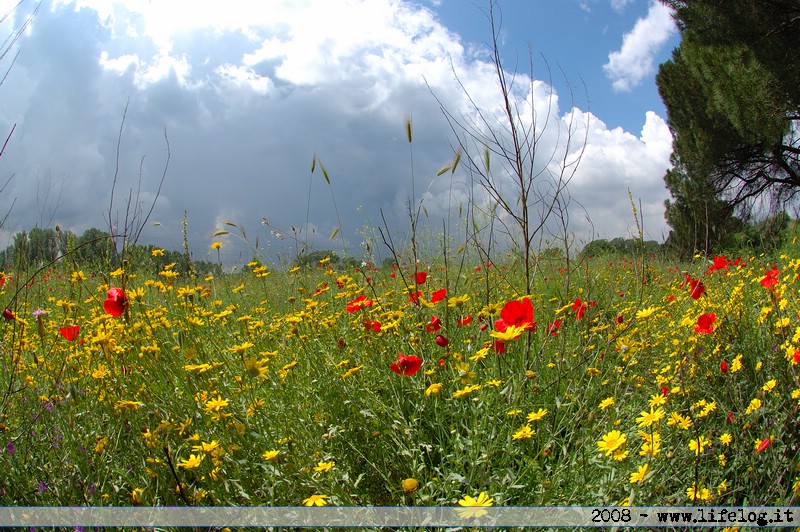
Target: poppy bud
(723, 367)
(664, 391)
(729, 418)
(8, 314)
(441, 341)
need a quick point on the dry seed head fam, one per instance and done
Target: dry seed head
(408, 127)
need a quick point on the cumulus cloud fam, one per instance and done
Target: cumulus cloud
(632, 63)
(247, 96)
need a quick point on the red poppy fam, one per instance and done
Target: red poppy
(664, 390)
(796, 357)
(434, 325)
(372, 324)
(406, 365)
(723, 367)
(116, 302)
(421, 277)
(771, 278)
(763, 445)
(705, 323)
(441, 341)
(580, 308)
(8, 314)
(413, 297)
(517, 313)
(499, 347)
(554, 326)
(70, 333)
(466, 320)
(359, 303)
(438, 295)
(698, 288)
(620, 319)
(720, 263)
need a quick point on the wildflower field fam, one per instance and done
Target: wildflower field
(617, 380)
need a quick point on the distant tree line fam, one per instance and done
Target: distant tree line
(93, 250)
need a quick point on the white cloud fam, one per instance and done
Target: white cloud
(619, 5)
(628, 66)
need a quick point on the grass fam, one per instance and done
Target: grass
(262, 388)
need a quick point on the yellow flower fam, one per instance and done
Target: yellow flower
(197, 368)
(473, 506)
(463, 392)
(512, 332)
(433, 389)
(192, 462)
(699, 445)
(536, 416)
(100, 373)
(645, 313)
(638, 476)
(646, 419)
(321, 467)
(270, 455)
(605, 403)
(754, 405)
(677, 420)
(696, 492)
(457, 301)
(316, 500)
(136, 495)
(206, 447)
(157, 252)
(410, 485)
(124, 406)
(651, 445)
(352, 371)
(769, 385)
(736, 364)
(216, 245)
(657, 400)
(611, 442)
(524, 432)
(726, 439)
(215, 405)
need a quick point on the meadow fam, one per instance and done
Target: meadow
(619, 380)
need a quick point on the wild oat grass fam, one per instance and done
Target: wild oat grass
(304, 386)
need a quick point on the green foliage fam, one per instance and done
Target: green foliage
(731, 92)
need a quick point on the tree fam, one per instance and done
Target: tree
(699, 219)
(732, 92)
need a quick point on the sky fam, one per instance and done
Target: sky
(232, 102)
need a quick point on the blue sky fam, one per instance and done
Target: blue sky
(249, 93)
(575, 38)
